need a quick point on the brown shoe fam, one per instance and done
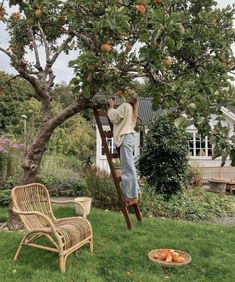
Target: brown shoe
(130, 202)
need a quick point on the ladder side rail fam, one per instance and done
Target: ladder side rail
(108, 155)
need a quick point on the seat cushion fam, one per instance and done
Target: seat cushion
(73, 230)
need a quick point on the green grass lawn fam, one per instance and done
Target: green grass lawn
(121, 255)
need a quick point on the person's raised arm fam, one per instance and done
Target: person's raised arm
(115, 115)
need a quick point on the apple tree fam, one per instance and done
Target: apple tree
(181, 48)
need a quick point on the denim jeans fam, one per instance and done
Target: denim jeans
(129, 184)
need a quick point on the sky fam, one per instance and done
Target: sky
(62, 72)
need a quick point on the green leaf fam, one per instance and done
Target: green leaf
(216, 152)
(201, 120)
(179, 121)
(144, 37)
(170, 42)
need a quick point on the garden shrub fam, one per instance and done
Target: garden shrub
(63, 175)
(5, 197)
(164, 158)
(101, 188)
(65, 186)
(191, 203)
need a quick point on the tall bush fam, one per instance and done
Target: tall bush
(164, 157)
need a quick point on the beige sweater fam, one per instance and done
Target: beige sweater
(122, 122)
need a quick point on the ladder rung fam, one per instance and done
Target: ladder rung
(108, 134)
(114, 156)
(102, 113)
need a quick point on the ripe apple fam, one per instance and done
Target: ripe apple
(181, 260)
(156, 256)
(175, 256)
(106, 47)
(141, 8)
(164, 254)
(169, 258)
(15, 16)
(167, 62)
(120, 93)
(38, 12)
(157, 1)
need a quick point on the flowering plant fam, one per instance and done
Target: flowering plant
(5, 144)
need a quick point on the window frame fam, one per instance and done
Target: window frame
(208, 148)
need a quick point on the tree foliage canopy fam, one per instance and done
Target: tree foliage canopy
(182, 48)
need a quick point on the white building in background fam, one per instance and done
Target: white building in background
(200, 149)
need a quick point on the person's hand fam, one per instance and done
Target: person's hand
(110, 103)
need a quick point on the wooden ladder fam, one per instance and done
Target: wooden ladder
(116, 179)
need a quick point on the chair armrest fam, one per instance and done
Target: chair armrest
(71, 202)
(45, 217)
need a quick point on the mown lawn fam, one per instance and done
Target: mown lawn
(121, 255)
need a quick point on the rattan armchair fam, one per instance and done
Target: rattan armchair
(32, 203)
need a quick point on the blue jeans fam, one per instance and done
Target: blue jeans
(129, 184)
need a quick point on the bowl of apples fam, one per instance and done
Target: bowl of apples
(169, 257)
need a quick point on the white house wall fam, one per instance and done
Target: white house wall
(207, 161)
(201, 161)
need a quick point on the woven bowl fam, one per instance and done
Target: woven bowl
(152, 253)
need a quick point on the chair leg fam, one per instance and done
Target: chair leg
(20, 246)
(91, 245)
(62, 263)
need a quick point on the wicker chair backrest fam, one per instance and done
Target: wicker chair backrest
(32, 197)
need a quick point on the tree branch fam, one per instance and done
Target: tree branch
(35, 48)
(59, 50)
(7, 53)
(49, 64)
(72, 109)
(84, 38)
(47, 49)
(80, 104)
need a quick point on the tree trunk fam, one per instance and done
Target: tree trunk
(31, 168)
(37, 148)
(14, 222)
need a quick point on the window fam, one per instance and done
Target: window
(199, 146)
(112, 147)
